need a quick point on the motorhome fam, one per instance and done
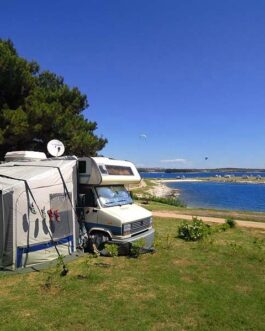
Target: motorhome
(45, 202)
(108, 211)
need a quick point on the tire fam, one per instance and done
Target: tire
(98, 241)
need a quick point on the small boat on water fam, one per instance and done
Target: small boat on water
(180, 177)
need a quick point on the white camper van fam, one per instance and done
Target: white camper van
(107, 208)
(44, 203)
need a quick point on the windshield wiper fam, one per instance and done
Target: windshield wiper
(109, 203)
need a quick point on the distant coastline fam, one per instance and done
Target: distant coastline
(240, 180)
(174, 170)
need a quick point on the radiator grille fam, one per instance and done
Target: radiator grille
(140, 225)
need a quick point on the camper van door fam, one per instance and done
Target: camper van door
(89, 203)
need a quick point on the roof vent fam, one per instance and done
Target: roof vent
(24, 156)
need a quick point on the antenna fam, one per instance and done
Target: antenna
(55, 147)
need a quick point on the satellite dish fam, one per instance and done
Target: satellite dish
(55, 147)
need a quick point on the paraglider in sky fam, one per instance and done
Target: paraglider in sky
(143, 136)
(206, 158)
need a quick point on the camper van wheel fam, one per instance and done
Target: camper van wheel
(98, 240)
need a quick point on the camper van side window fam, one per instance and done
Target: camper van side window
(119, 170)
(103, 169)
(82, 167)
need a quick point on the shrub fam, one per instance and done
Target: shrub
(231, 222)
(221, 227)
(111, 250)
(167, 201)
(193, 231)
(137, 247)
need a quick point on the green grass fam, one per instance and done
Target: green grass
(215, 284)
(161, 200)
(149, 183)
(235, 214)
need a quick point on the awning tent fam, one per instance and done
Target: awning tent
(37, 202)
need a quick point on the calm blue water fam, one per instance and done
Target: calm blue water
(218, 195)
(198, 174)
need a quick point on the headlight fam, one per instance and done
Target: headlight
(151, 221)
(126, 229)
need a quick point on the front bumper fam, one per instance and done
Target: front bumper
(147, 236)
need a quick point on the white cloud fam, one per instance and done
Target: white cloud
(174, 161)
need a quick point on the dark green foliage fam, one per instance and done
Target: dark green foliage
(137, 248)
(111, 250)
(37, 105)
(193, 231)
(167, 201)
(231, 222)
(197, 229)
(221, 227)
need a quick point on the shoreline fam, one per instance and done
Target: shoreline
(208, 179)
(181, 180)
(161, 189)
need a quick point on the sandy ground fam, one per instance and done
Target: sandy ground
(162, 191)
(176, 215)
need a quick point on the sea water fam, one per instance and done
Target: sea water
(232, 196)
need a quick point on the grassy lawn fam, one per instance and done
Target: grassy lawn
(239, 215)
(217, 284)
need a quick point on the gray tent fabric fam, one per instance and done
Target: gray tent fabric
(36, 212)
(6, 228)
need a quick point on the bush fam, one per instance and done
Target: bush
(223, 227)
(231, 222)
(193, 231)
(137, 247)
(111, 250)
(167, 201)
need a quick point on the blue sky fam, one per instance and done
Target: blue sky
(189, 74)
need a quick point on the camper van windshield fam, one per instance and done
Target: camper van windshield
(110, 196)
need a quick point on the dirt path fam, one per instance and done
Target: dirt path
(246, 224)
